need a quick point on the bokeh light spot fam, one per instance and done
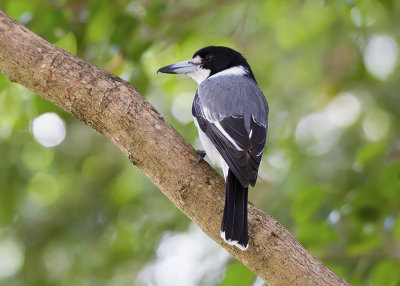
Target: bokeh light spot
(380, 56)
(185, 259)
(57, 261)
(356, 16)
(316, 134)
(334, 217)
(376, 125)
(11, 256)
(182, 107)
(48, 129)
(343, 110)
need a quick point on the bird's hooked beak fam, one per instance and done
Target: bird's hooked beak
(183, 67)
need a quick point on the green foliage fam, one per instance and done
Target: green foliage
(237, 274)
(386, 273)
(80, 214)
(369, 152)
(68, 42)
(307, 203)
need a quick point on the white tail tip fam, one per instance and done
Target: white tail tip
(233, 242)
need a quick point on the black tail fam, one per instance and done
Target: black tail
(234, 221)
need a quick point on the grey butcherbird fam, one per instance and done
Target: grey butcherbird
(231, 114)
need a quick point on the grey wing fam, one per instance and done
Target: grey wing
(238, 137)
(233, 96)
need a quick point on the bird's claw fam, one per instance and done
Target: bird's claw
(200, 155)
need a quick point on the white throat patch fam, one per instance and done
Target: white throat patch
(200, 75)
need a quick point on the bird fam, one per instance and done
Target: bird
(231, 115)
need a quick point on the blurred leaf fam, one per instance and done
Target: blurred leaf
(95, 168)
(369, 152)
(364, 245)
(239, 275)
(43, 188)
(68, 42)
(316, 233)
(387, 273)
(307, 203)
(367, 207)
(126, 187)
(390, 182)
(99, 25)
(37, 157)
(339, 269)
(42, 106)
(3, 81)
(125, 242)
(18, 7)
(308, 24)
(396, 230)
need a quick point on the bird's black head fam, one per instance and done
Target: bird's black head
(217, 59)
(209, 61)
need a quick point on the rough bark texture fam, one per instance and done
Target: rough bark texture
(115, 108)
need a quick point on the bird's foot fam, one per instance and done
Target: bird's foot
(200, 155)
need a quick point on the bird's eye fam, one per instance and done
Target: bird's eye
(208, 58)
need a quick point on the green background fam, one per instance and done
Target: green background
(81, 214)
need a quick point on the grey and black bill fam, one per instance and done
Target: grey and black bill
(231, 114)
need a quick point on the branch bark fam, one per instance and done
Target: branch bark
(115, 108)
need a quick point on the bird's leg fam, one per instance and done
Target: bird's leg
(200, 155)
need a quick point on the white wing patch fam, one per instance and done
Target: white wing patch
(207, 114)
(260, 152)
(227, 136)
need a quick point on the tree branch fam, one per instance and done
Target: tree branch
(115, 108)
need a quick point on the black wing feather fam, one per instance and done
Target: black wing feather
(243, 163)
(258, 138)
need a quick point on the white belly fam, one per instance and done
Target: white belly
(212, 152)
